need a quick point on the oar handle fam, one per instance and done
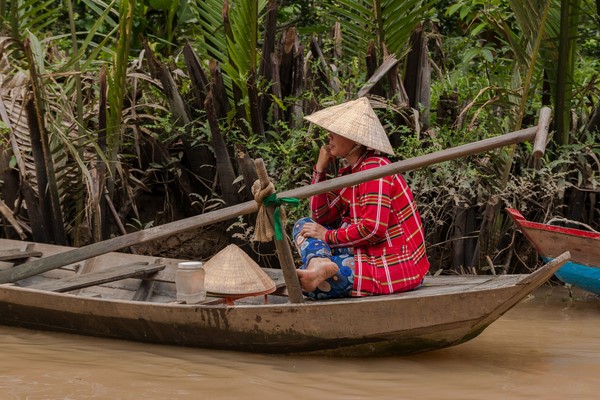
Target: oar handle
(261, 171)
(541, 134)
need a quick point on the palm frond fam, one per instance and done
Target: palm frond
(212, 34)
(242, 44)
(535, 19)
(117, 78)
(400, 18)
(361, 24)
(34, 15)
(94, 40)
(100, 8)
(358, 25)
(531, 20)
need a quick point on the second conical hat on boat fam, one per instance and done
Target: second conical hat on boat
(232, 273)
(356, 121)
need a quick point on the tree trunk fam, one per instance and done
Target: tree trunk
(458, 241)
(569, 9)
(418, 76)
(470, 243)
(256, 117)
(46, 185)
(593, 124)
(225, 172)
(217, 88)
(298, 86)
(198, 158)
(372, 65)
(197, 75)
(45, 170)
(266, 68)
(289, 41)
(276, 110)
(329, 81)
(99, 224)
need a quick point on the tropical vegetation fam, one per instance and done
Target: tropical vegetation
(121, 115)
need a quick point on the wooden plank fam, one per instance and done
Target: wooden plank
(144, 290)
(278, 278)
(551, 244)
(18, 254)
(135, 270)
(276, 275)
(55, 261)
(456, 280)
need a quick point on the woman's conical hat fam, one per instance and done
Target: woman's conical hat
(356, 121)
(232, 273)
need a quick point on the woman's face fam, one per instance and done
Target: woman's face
(339, 146)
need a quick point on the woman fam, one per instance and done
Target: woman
(378, 244)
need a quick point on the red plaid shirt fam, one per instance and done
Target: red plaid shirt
(380, 221)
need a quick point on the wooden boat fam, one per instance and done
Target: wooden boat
(93, 290)
(102, 297)
(583, 270)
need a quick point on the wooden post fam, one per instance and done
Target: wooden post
(284, 253)
(541, 134)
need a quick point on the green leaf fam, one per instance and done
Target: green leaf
(453, 9)
(487, 55)
(163, 5)
(481, 26)
(37, 52)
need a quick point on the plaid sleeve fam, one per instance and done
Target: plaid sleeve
(325, 208)
(372, 206)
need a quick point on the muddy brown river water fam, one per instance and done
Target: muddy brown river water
(547, 347)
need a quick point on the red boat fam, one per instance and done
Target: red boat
(550, 241)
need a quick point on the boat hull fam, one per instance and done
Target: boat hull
(549, 241)
(445, 311)
(393, 325)
(581, 276)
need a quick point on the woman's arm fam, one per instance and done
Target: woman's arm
(324, 207)
(371, 208)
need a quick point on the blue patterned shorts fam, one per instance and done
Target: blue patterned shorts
(339, 285)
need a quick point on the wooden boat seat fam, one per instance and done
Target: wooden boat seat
(135, 270)
(18, 254)
(276, 275)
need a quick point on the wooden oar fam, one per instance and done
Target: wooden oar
(41, 265)
(284, 253)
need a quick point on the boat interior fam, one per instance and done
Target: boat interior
(132, 277)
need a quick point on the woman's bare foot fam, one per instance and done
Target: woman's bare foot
(318, 270)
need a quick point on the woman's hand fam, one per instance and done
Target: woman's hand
(324, 159)
(313, 230)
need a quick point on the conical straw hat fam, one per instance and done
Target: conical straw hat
(232, 273)
(356, 121)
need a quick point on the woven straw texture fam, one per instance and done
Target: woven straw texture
(232, 273)
(356, 121)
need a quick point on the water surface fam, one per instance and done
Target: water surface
(547, 347)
